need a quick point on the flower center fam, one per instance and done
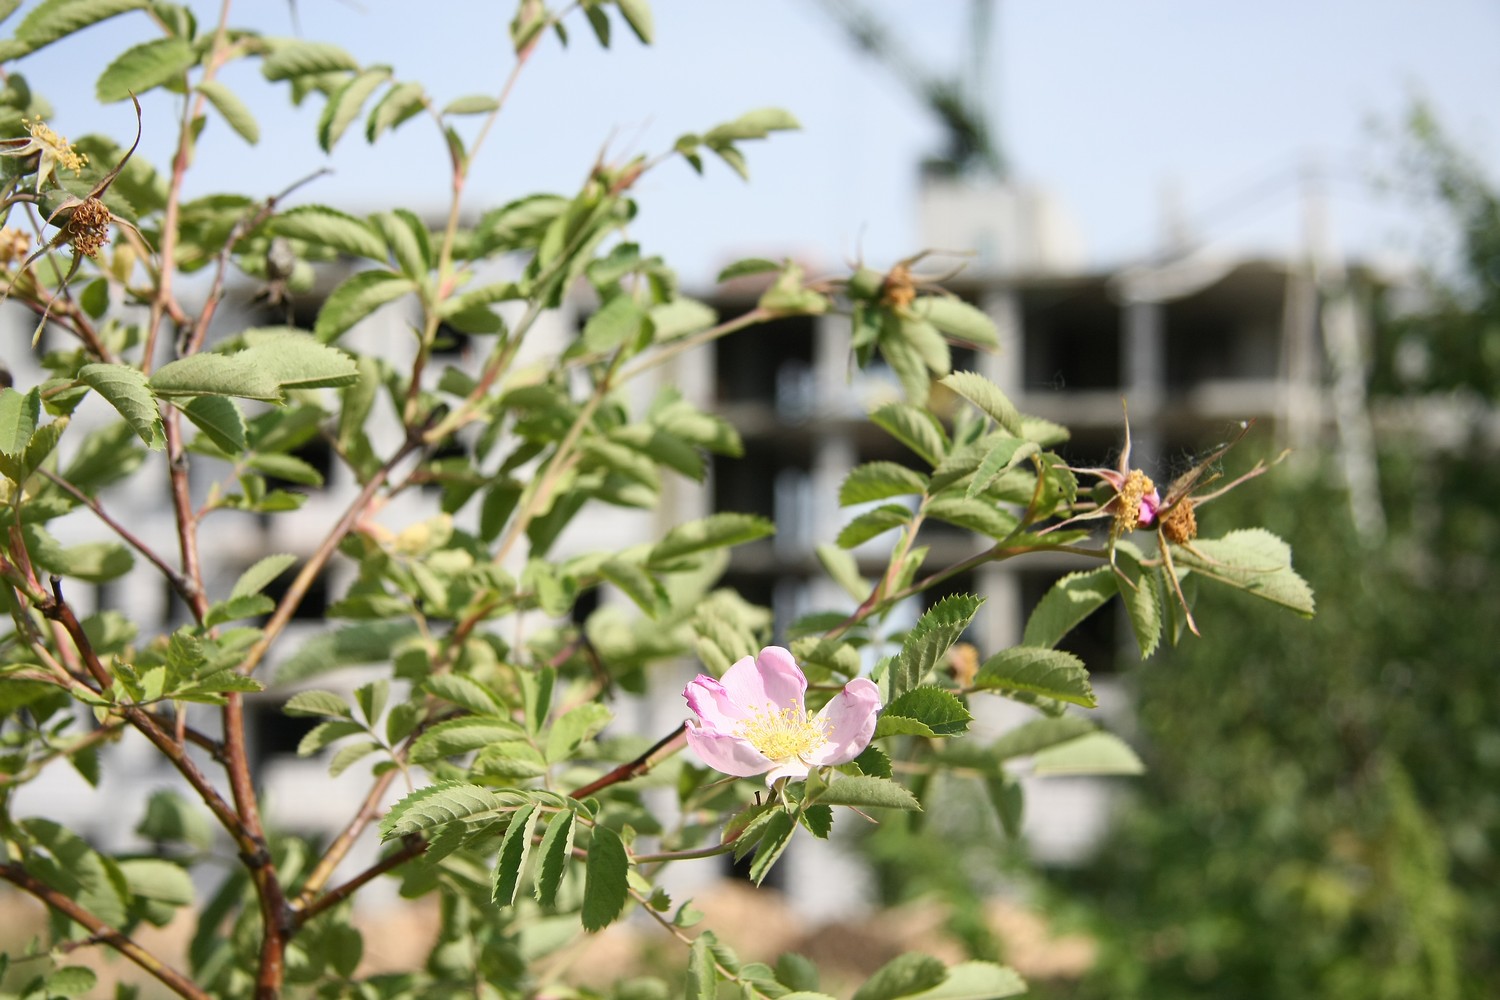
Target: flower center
(70, 158)
(784, 733)
(1128, 510)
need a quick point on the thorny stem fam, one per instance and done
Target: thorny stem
(664, 747)
(102, 932)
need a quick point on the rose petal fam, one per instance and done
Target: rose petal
(849, 720)
(725, 753)
(1150, 504)
(772, 677)
(792, 768)
(711, 703)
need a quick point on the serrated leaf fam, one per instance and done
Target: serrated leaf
(605, 880)
(702, 974)
(125, 388)
(556, 848)
(915, 428)
(399, 103)
(238, 608)
(291, 58)
(328, 227)
(775, 837)
(1253, 560)
(1050, 673)
(1068, 602)
(843, 570)
(145, 66)
(1002, 453)
(344, 105)
(1038, 734)
(459, 736)
(902, 976)
(866, 791)
(435, 806)
(19, 413)
(350, 754)
(259, 576)
(220, 419)
(637, 584)
(214, 374)
(514, 849)
(324, 704)
(234, 110)
(357, 297)
(879, 481)
(940, 711)
(298, 361)
(977, 515)
(1093, 753)
(567, 733)
(680, 317)
(987, 396)
(325, 733)
(408, 239)
(95, 562)
(72, 980)
(55, 19)
(873, 523)
(715, 531)
(929, 639)
(465, 692)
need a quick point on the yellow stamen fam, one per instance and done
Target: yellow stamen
(61, 149)
(1128, 511)
(784, 733)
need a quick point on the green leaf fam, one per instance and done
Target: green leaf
(866, 791)
(777, 834)
(556, 848)
(975, 980)
(843, 569)
(399, 103)
(367, 642)
(748, 266)
(75, 869)
(288, 467)
(958, 319)
(929, 639)
(435, 806)
(19, 413)
(291, 58)
(55, 19)
(637, 14)
(328, 227)
(71, 980)
(980, 516)
(1003, 453)
(219, 418)
(297, 360)
(144, 67)
(702, 973)
(459, 736)
(214, 374)
(1070, 601)
(408, 239)
(471, 104)
(580, 723)
(1038, 734)
(514, 849)
(124, 388)
(1253, 560)
(235, 111)
(619, 321)
(344, 105)
(878, 481)
(681, 317)
(605, 879)
(915, 428)
(258, 577)
(1050, 673)
(940, 711)
(464, 692)
(95, 562)
(987, 396)
(902, 976)
(637, 584)
(316, 704)
(753, 125)
(357, 297)
(325, 733)
(713, 532)
(873, 523)
(1093, 753)
(158, 879)
(238, 608)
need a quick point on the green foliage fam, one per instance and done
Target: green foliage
(461, 675)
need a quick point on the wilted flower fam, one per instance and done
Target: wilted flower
(54, 149)
(1134, 501)
(88, 227)
(753, 720)
(14, 245)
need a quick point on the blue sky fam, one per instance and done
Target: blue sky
(1108, 104)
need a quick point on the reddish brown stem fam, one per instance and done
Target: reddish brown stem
(102, 932)
(413, 846)
(664, 747)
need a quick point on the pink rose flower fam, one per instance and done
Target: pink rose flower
(753, 720)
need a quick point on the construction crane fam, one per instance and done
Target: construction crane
(970, 147)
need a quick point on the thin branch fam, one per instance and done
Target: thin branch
(180, 583)
(339, 849)
(413, 846)
(102, 932)
(664, 747)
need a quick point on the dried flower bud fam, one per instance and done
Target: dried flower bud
(1132, 509)
(88, 227)
(898, 290)
(1180, 524)
(14, 246)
